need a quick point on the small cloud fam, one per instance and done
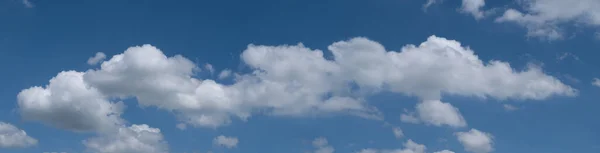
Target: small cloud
(224, 74)
(596, 82)
(228, 142)
(398, 132)
(431, 2)
(508, 107)
(99, 57)
(566, 55)
(209, 67)
(181, 126)
(27, 3)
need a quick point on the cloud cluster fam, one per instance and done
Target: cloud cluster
(13, 137)
(286, 80)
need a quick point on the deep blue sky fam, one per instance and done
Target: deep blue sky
(36, 43)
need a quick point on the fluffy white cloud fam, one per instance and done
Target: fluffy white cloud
(543, 18)
(409, 147)
(13, 137)
(133, 139)
(71, 103)
(322, 145)
(474, 7)
(398, 132)
(444, 151)
(476, 141)
(286, 81)
(438, 113)
(228, 142)
(99, 57)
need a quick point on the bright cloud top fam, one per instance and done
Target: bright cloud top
(476, 141)
(287, 81)
(13, 137)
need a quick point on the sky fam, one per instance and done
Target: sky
(310, 76)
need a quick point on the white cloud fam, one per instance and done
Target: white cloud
(431, 2)
(473, 7)
(224, 74)
(398, 132)
(444, 151)
(409, 147)
(508, 107)
(13, 137)
(133, 139)
(228, 142)
(476, 141)
(438, 113)
(71, 103)
(543, 18)
(286, 81)
(596, 82)
(99, 57)
(322, 145)
(181, 126)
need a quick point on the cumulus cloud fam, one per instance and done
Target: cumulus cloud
(476, 141)
(409, 147)
(70, 103)
(438, 113)
(398, 132)
(13, 137)
(286, 80)
(322, 145)
(228, 142)
(132, 139)
(543, 18)
(99, 57)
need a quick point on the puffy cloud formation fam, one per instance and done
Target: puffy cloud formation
(133, 139)
(13, 137)
(69, 102)
(543, 18)
(100, 56)
(476, 141)
(228, 142)
(409, 147)
(322, 145)
(286, 81)
(436, 113)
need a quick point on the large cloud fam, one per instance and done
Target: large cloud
(476, 141)
(286, 81)
(13, 137)
(543, 18)
(132, 139)
(71, 103)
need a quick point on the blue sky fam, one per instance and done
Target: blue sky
(544, 102)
